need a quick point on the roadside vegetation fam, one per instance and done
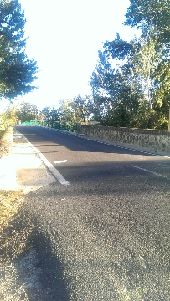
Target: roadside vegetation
(7, 120)
(17, 70)
(17, 75)
(131, 81)
(130, 88)
(16, 255)
(14, 238)
(9, 205)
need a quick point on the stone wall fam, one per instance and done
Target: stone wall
(150, 140)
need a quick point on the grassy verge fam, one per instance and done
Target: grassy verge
(14, 229)
(1, 134)
(16, 257)
(4, 147)
(10, 203)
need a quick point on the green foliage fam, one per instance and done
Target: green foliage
(152, 16)
(51, 117)
(118, 48)
(67, 115)
(115, 91)
(74, 112)
(17, 71)
(136, 91)
(27, 112)
(70, 114)
(8, 118)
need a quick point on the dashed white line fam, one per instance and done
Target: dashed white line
(58, 162)
(149, 171)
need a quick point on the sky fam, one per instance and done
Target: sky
(64, 37)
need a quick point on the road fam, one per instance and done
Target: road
(103, 225)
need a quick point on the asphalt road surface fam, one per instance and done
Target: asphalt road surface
(105, 236)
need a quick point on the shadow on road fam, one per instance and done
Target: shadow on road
(36, 274)
(52, 276)
(51, 284)
(74, 143)
(123, 171)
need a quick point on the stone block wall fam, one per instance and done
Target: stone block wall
(151, 140)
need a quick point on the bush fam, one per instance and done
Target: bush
(7, 119)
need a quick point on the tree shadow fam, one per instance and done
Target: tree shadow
(52, 285)
(111, 170)
(42, 136)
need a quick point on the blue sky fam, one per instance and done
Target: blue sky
(64, 38)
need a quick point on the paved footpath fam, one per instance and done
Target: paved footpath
(23, 168)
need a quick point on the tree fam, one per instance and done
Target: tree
(51, 117)
(82, 108)
(27, 112)
(115, 91)
(67, 115)
(153, 17)
(17, 71)
(131, 82)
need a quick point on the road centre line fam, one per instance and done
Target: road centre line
(149, 171)
(58, 162)
(56, 174)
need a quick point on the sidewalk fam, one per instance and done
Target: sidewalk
(23, 169)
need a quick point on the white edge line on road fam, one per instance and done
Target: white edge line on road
(53, 170)
(49, 166)
(149, 171)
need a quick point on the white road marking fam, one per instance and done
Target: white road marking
(149, 171)
(50, 167)
(54, 171)
(167, 157)
(58, 162)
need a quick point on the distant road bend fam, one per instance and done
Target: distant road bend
(105, 219)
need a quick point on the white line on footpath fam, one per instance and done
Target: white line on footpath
(149, 171)
(51, 168)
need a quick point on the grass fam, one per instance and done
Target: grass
(14, 228)
(14, 232)
(3, 146)
(13, 238)
(1, 134)
(10, 202)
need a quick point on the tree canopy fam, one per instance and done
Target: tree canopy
(27, 112)
(17, 71)
(152, 16)
(131, 81)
